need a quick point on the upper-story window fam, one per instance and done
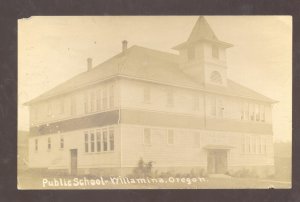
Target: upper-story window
(217, 107)
(98, 100)
(213, 105)
(170, 97)
(104, 98)
(257, 113)
(61, 105)
(215, 52)
(263, 113)
(191, 53)
(220, 107)
(216, 77)
(86, 99)
(73, 105)
(49, 110)
(147, 94)
(92, 101)
(111, 96)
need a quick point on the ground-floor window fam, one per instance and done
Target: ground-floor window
(62, 142)
(100, 140)
(49, 143)
(36, 145)
(147, 136)
(92, 135)
(86, 142)
(111, 139)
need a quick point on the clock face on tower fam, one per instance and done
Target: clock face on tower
(216, 77)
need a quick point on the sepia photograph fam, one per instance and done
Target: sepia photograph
(154, 102)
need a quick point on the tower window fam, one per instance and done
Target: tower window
(191, 53)
(215, 52)
(216, 77)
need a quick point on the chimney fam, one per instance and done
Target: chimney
(124, 45)
(89, 64)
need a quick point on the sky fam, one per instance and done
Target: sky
(53, 49)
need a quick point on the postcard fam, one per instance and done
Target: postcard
(154, 102)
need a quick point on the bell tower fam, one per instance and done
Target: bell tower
(203, 55)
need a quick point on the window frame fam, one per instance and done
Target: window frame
(170, 132)
(150, 137)
(49, 144)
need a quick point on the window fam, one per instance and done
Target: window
(220, 108)
(62, 106)
(264, 146)
(104, 139)
(196, 139)
(104, 99)
(62, 144)
(248, 144)
(98, 100)
(86, 142)
(147, 136)
(111, 97)
(257, 114)
(147, 94)
(36, 145)
(49, 143)
(246, 110)
(92, 101)
(263, 113)
(73, 105)
(215, 52)
(253, 145)
(213, 105)
(170, 97)
(216, 77)
(170, 137)
(191, 53)
(92, 136)
(196, 103)
(86, 107)
(98, 136)
(49, 112)
(243, 145)
(251, 110)
(111, 139)
(259, 145)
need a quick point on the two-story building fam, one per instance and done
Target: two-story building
(180, 111)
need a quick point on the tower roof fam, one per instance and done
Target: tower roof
(202, 32)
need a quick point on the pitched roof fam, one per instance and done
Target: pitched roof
(147, 64)
(202, 30)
